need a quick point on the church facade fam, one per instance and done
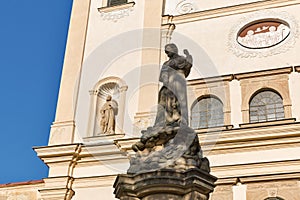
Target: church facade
(242, 92)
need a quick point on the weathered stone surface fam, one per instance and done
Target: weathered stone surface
(190, 184)
(169, 163)
(181, 152)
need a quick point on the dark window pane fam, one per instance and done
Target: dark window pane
(116, 2)
(274, 198)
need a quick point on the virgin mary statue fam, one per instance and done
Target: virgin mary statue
(172, 97)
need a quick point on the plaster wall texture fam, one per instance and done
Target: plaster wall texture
(177, 7)
(105, 193)
(213, 36)
(21, 191)
(109, 44)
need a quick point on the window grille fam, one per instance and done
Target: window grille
(266, 106)
(207, 112)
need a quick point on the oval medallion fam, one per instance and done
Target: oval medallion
(263, 34)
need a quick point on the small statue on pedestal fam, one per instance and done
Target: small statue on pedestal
(108, 112)
(168, 163)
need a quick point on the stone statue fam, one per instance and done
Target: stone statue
(172, 98)
(170, 143)
(108, 112)
(168, 163)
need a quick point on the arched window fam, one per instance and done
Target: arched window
(207, 112)
(274, 198)
(266, 106)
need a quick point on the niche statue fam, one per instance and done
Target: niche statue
(170, 143)
(108, 114)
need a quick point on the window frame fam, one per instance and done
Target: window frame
(267, 112)
(207, 125)
(109, 3)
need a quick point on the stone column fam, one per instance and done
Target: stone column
(165, 184)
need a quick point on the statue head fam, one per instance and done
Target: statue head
(108, 98)
(171, 49)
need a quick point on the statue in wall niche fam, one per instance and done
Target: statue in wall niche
(170, 142)
(108, 114)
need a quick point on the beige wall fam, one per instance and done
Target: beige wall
(21, 191)
(105, 43)
(213, 36)
(177, 7)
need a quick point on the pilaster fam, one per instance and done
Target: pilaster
(65, 112)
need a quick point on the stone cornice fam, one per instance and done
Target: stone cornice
(268, 123)
(226, 11)
(104, 181)
(272, 177)
(262, 171)
(58, 153)
(22, 185)
(215, 79)
(252, 137)
(214, 129)
(244, 75)
(269, 72)
(279, 135)
(257, 179)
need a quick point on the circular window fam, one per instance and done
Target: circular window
(263, 34)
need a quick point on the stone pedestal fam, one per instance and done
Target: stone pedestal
(165, 184)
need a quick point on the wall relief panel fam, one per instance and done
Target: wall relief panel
(262, 34)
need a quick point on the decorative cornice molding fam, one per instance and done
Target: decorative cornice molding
(214, 79)
(230, 140)
(58, 153)
(269, 72)
(244, 75)
(268, 123)
(272, 177)
(227, 11)
(282, 47)
(260, 171)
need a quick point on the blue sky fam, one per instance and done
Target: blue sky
(32, 37)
